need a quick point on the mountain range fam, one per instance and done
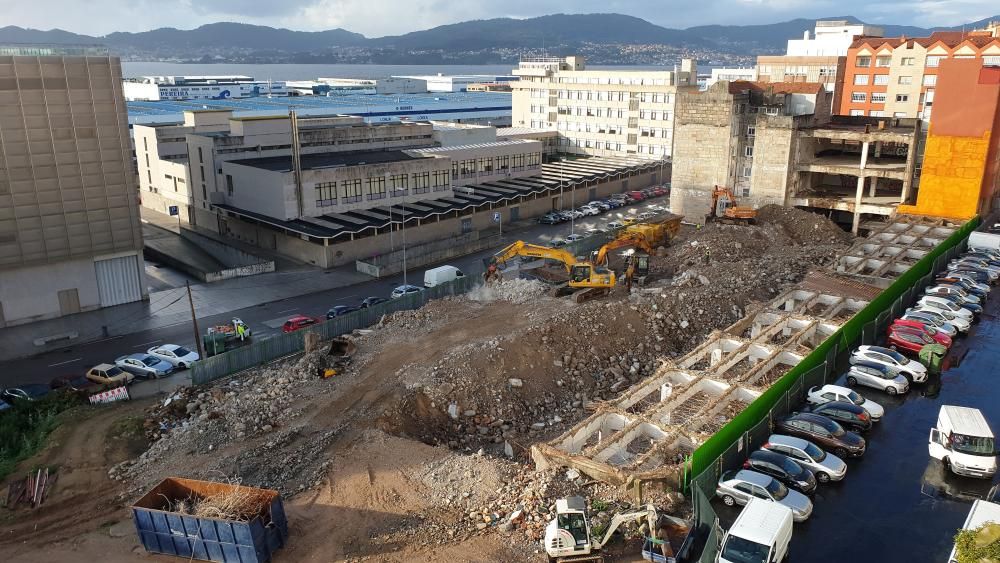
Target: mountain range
(601, 37)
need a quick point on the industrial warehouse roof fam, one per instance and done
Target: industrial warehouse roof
(552, 178)
(474, 146)
(355, 104)
(325, 160)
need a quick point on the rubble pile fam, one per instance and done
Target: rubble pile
(516, 290)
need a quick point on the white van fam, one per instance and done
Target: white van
(441, 274)
(761, 534)
(964, 442)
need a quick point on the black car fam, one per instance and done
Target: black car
(783, 469)
(963, 285)
(549, 219)
(823, 432)
(28, 392)
(848, 415)
(338, 310)
(74, 383)
(978, 275)
(369, 301)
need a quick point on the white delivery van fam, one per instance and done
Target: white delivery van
(761, 534)
(440, 275)
(963, 441)
(981, 513)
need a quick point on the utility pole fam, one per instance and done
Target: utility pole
(194, 321)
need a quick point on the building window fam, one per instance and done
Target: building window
(906, 80)
(454, 167)
(503, 164)
(860, 79)
(899, 114)
(907, 61)
(771, 111)
(863, 62)
(486, 165)
(878, 97)
(421, 182)
(875, 113)
(934, 60)
(399, 184)
(859, 97)
(902, 97)
(747, 171)
(200, 158)
(883, 61)
(881, 79)
(326, 194)
(350, 190)
(441, 182)
(930, 80)
(991, 60)
(751, 130)
(857, 112)
(376, 188)
(748, 151)
(229, 184)
(468, 168)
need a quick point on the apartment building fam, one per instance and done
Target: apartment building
(181, 164)
(819, 58)
(70, 237)
(897, 77)
(600, 112)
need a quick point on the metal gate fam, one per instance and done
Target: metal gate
(118, 280)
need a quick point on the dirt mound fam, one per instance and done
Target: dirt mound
(803, 227)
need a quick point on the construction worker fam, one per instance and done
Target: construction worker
(241, 330)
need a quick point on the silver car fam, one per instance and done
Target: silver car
(825, 466)
(921, 317)
(737, 487)
(144, 365)
(879, 376)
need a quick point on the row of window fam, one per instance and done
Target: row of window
(625, 81)
(656, 150)
(884, 61)
(380, 187)
(616, 96)
(798, 70)
(877, 97)
(471, 167)
(876, 113)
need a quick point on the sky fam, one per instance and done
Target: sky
(375, 18)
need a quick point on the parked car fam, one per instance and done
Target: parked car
(965, 285)
(600, 204)
(975, 266)
(783, 469)
(107, 374)
(907, 339)
(975, 275)
(550, 219)
(738, 487)
(339, 310)
(370, 301)
(406, 289)
(878, 376)
(630, 220)
(442, 274)
(298, 322)
(596, 231)
(557, 243)
(942, 317)
(614, 203)
(850, 416)
(615, 225)
(819, 395)
(823, 432)
(825, 466)
(974, 308)
(78, 383)
(590, 210)
(637, 195)
(661, 191)
(178, 356)
(943, 289)
(574, 237)
(929, 321)
(939, 303)
(146, 366)
(938, 336)
(568, 215)
(966, 281)
(26, 392)
(646, 215)
(911, 369)
(760, 533)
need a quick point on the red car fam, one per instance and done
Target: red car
(660, 190)
(937, 335)
(909, 340)
(298, 322)
(637, 195)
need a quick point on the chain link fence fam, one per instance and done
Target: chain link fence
(264, 350)
(835, 361)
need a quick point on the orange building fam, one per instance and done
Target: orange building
(898, 77)
(960, 176)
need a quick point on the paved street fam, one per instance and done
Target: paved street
(211, 301)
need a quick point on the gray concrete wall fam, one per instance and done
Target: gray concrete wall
(31, 293)
(229, 256)
(773, 168)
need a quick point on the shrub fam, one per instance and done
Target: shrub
(25, 426)
(979, 545)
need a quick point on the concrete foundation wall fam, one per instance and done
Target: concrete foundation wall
(32, 293)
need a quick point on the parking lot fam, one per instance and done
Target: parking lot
(896, 503)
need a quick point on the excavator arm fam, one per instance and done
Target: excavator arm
(633, 239)
(521, 248)
(617, 520)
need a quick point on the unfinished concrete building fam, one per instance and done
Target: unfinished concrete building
(645, 435)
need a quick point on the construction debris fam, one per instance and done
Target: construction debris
(32, 490)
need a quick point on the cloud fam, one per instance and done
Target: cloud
(391, 17)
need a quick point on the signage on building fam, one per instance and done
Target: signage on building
(174, 211)
(496, 216)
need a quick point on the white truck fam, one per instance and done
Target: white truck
(760, 534)
(964, 442)
(982, 512)
(441, 274)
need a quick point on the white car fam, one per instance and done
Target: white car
(819, 395)
(954, 291)
(574, 237)
(179, 356)
(930, 321)
(946, 317)
(615, 225)
(911, 369)
(871, 374)
(589, 211)
(944, 305)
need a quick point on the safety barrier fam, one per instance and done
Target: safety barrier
(264, 350)
(728, 447)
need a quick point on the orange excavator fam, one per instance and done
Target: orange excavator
(725, 208)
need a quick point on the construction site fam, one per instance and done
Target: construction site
(457, 427)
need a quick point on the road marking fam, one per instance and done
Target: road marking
(147, 344)
(66, 362)
(287, 311)
(347, 297)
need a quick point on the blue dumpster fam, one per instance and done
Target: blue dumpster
(209, 539)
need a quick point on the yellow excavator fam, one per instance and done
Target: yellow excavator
(587, 280)
(725, 208)
(643, 236)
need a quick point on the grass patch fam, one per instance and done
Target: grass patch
(25, 427)
(127, 428)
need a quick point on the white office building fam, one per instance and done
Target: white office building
(730, 75)
(456, 83)
(831, 38)
(154, 88)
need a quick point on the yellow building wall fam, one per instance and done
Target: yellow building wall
(951, 178)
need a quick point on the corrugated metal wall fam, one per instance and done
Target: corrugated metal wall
(118, 280)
